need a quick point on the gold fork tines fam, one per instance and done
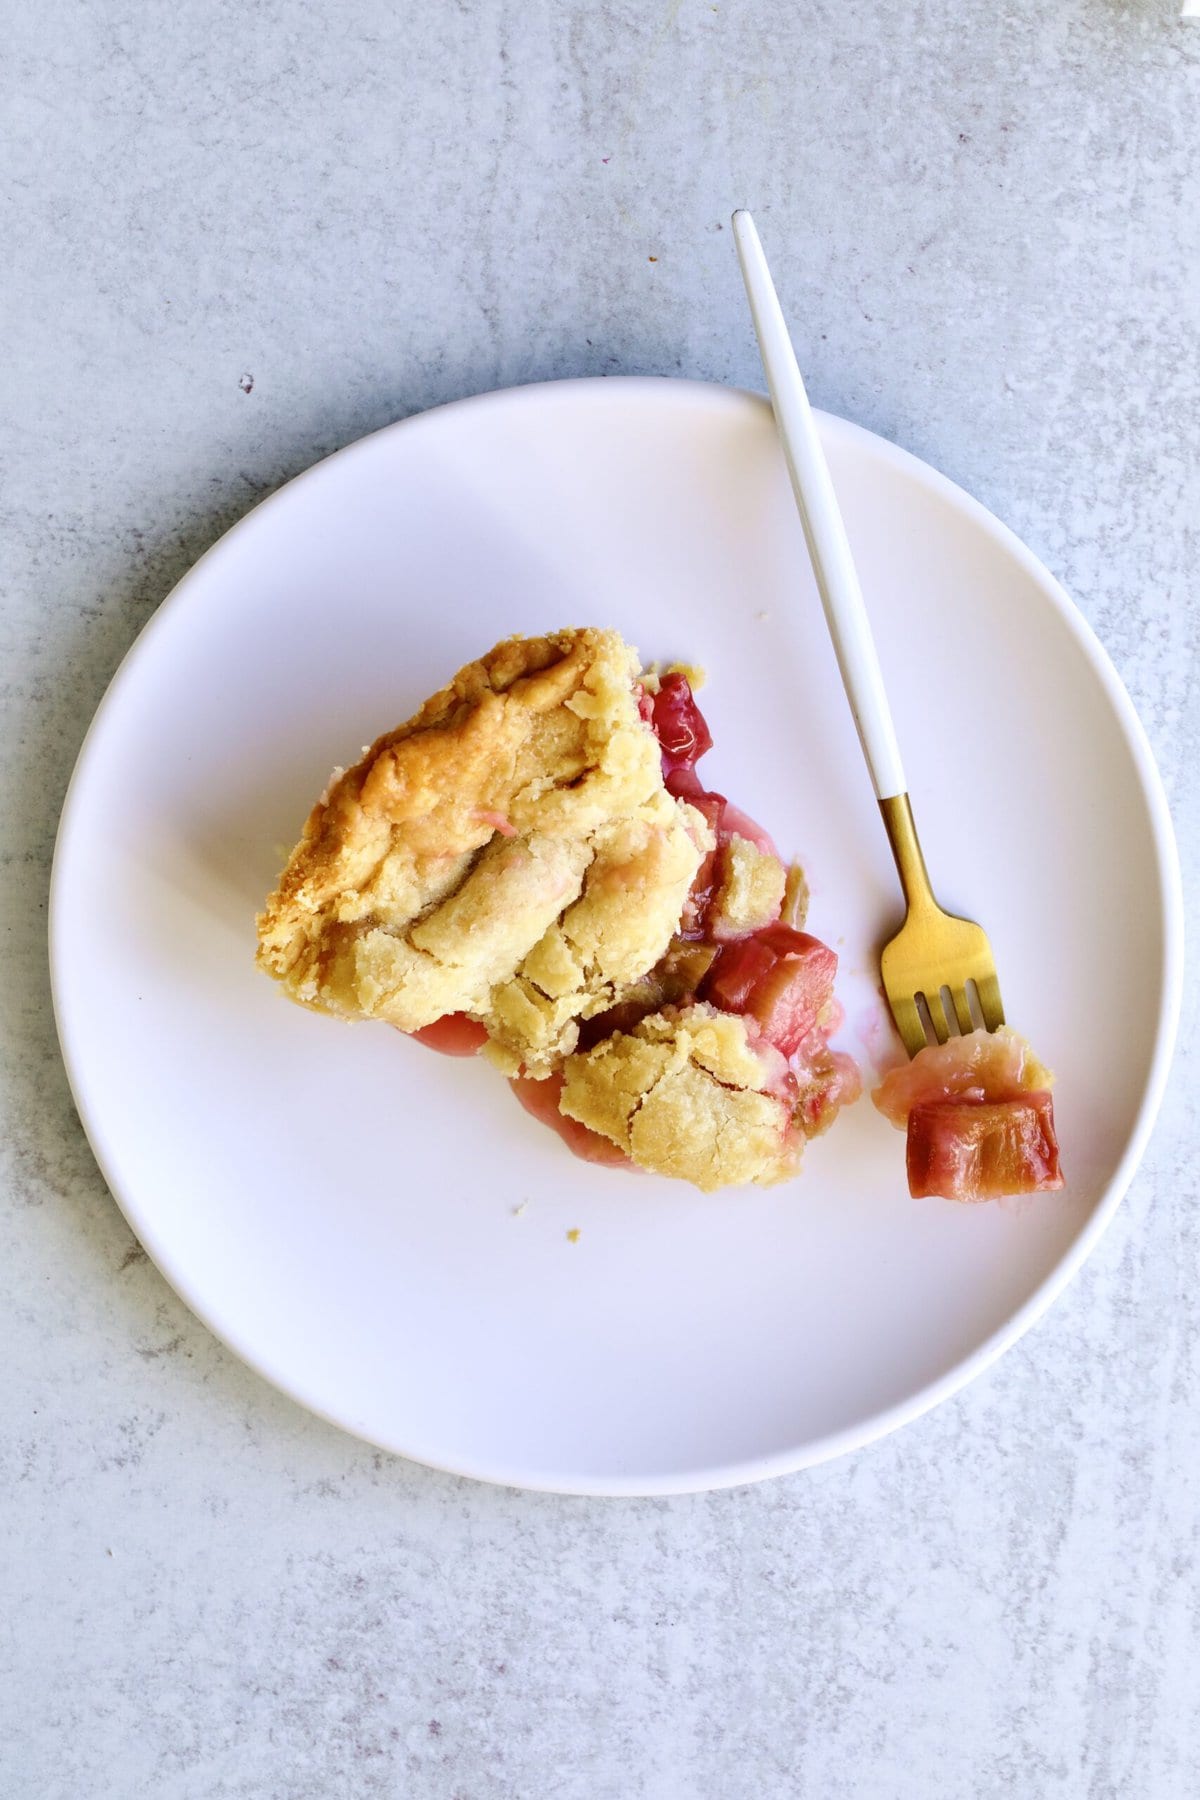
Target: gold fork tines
(935, 961)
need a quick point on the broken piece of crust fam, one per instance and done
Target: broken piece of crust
(511, 852)
(687, 1093)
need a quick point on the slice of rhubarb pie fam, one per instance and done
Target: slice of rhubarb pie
(532, 867)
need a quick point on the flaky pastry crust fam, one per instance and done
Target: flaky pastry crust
(511, 852)
(688, 1093)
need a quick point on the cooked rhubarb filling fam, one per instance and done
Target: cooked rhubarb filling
(979, 1118)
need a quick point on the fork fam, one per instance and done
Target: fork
(936, 963)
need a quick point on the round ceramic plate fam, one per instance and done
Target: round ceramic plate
(382, 1231)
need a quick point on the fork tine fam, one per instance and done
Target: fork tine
(937, 1015)
(962, 1009)
(988, 989)
(908, 1022)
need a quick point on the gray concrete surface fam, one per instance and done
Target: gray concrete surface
(235, 236)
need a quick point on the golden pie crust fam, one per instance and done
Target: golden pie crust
(687, 1092)
(511, 852)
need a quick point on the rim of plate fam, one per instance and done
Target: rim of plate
(660, 389)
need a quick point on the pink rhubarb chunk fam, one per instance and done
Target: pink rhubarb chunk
(985, 1065)
(457, 1034)
(980, 1150)
(679, 725)
(780, 977)
(541, 1098)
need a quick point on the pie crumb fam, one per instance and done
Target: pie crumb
(573, 1235)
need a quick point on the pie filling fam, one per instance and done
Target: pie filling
(978, 1116)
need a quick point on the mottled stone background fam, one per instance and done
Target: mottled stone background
(235, 236)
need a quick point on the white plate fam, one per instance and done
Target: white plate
(338, 1204)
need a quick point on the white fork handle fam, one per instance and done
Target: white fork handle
(824, 530)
